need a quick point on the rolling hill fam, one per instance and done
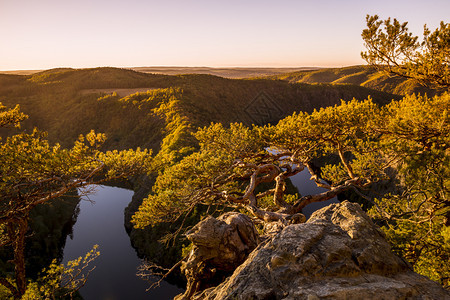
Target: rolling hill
(365, 76)
(238, 72)
(227, 72)
(68, 102)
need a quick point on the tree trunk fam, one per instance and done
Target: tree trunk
(19, 256)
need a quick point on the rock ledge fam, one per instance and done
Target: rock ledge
(338, 254)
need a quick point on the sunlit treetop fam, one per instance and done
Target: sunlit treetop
(392, 48)
(11, 117)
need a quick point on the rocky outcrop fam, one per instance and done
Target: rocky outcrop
(338, 254)
(220, 246)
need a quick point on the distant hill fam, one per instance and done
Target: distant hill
(21, 72)
(236, 72)
(232, 72)
(365, 76)
(67, 102)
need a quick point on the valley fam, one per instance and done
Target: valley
(160, 109)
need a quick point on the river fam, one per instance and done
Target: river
(101, 221)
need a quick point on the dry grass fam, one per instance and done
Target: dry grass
(21, 72)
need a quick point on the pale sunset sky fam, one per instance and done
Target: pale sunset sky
(43, 34)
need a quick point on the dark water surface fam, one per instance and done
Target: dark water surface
(306, 187)
(102, 223)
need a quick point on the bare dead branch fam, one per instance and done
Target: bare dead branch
(148, 269)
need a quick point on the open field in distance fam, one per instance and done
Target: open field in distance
(222, 72)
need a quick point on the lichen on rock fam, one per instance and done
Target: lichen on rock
(337, 254)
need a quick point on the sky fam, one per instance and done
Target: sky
(44, 34)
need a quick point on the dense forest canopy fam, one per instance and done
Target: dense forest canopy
(66, 103)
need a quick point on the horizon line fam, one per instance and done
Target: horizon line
(181, 66)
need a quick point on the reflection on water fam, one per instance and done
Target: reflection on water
(306, 187)
(102, 222)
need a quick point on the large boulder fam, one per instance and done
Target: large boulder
(337, 254)
(219, 247)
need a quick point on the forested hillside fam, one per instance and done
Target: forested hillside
(68, 102)
(366, 76)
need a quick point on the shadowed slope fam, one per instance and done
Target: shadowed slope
(67, 102)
